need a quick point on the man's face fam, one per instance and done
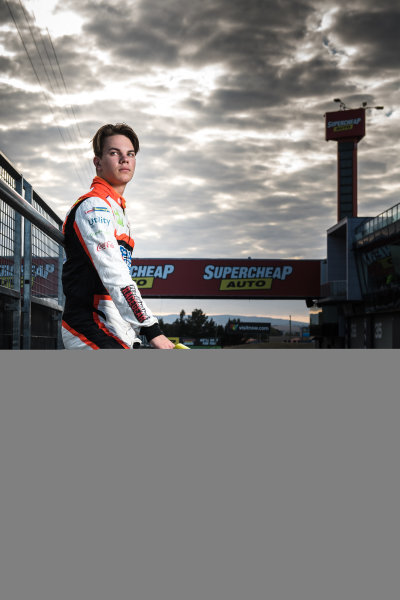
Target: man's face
(117, 164)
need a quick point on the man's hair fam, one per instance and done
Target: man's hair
(117, 129)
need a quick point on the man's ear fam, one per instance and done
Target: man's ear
(96, 161)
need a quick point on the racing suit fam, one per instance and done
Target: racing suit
(103, 306)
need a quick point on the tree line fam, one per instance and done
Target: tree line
(198, 326)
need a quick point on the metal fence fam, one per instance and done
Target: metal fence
(31, 258)
(376, 224)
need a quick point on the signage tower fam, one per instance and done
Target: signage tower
(347, 128)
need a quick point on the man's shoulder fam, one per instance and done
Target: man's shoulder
(90, 202)
(87, 206)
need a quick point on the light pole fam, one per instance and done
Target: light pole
(364, 105)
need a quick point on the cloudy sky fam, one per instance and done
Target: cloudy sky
(228, 99)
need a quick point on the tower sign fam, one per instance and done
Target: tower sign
(347, 128)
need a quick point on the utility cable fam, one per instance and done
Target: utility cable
(42, 87)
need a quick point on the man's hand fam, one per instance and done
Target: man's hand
(162, 342)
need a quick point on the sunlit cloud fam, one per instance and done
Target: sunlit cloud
(59, 22)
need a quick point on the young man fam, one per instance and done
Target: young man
(103, 307)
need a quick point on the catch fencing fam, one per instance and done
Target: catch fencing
(31, 259)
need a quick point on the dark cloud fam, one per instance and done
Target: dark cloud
(375, 32)
(319, 77)
(6, 65)
(173, 34)
(24, 106)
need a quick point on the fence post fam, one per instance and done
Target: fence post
(16, 317)
(60, 344)
(27, 275)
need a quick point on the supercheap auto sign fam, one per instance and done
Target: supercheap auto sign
(44, 275)
(225, 278)
(345, 124)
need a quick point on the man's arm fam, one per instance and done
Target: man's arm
(97, 235)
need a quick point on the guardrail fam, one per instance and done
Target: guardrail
(371, 227)
(31, 258)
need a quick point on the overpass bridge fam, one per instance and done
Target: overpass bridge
(228, 278)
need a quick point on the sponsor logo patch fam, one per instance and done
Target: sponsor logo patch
(129, 293)
(126, 255)
(94, 220)
(105, 245)
(118, 217)
(97, 209)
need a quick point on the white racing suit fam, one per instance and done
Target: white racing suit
(103, 306)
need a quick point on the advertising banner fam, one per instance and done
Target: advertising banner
(44, 275)
(227, 278)
(344, 124)
(250, 327)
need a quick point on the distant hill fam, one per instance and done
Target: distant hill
(282, 324)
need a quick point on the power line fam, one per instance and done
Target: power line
(32, 65)
(36, 45)
(62, 77)
(50, 77)
(62, 87)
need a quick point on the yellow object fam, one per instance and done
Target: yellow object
(181, 347)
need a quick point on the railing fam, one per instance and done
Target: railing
(389, 216)
(31, 258)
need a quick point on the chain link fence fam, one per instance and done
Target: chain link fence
(31, 258)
